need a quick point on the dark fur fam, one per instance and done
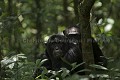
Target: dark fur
(98, 55)
(61, 53)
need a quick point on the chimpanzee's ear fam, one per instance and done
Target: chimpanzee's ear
(45, 44)
(64, 32)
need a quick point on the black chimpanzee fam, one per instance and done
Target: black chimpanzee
(56, 48)
(60, 49)
(73, 34)
(61, 53)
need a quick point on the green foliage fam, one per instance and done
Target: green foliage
(102, 73)
(17, 67)
(18, 38)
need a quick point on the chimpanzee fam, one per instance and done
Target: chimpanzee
(73, 34)
(61, 53)
(58, 46)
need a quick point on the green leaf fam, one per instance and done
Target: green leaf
(84, 70)
(65, 72)
(75, 66)
(38, 62)
(98, 67)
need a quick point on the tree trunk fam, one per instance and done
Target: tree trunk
(84, 21)
(9, 11)
(65, 12)
(38, 28)
(76, 3)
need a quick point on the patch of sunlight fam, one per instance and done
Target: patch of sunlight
(46, 38)
(34, 31)
(98, 4)
(18, 4)
(15, 58)
(70, 9)
(0, 23)
(110, 21)
(20, 18)
(108, 27)
(100, 21)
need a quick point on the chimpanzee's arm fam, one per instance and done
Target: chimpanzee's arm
(98, 55)
(74, 55)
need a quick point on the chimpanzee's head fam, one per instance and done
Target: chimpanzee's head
(57, 46)
(73, 34)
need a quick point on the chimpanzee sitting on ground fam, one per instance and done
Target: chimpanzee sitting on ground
(56, 48)
(60, 53)
(73, 34)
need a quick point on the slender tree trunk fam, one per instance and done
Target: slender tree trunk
(10, 7)
(76, 3)
(84, 20)
(10, 29)
(65, 12)
(16, 34)
(38, 28)
(14, 44)
(13, 41)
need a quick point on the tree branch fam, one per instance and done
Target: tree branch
(84, 20)
(86, 6)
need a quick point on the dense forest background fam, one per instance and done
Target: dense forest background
(25, 25)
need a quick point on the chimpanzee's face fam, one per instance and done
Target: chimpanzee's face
(56, 46)
(57, 49)
(73, 34)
